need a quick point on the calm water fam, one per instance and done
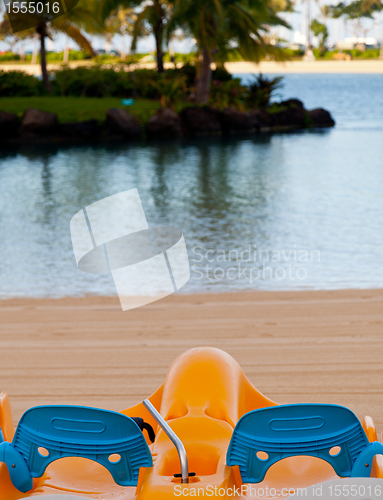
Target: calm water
(309, 203)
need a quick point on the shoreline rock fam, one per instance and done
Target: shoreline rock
(200, 121)
(38, 122)
(9, 124)
(321, 118)
(164, 124)
(79, 131)
(236, 122)
(41, 127)
(121, 122)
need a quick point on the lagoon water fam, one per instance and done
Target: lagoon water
(281, 212)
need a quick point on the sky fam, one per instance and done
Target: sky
(297, 20)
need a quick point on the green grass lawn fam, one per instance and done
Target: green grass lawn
(75, 109)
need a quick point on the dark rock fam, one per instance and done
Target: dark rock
(165, 123)
(38, 122)
(9, 124)
(262, 120)
(295, 103)
(233, 121)
(200, 121)
(291, 118)
(121, 122)
(321, 118)
(80, 131)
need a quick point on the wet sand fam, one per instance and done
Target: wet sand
(324, 346)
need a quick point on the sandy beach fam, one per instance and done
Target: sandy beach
(317, 67)
(323, 346)
(328, 66)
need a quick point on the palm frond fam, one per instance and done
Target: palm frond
(148, 14)
(63, 26)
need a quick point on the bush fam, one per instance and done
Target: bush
(74, 55)
(367, 54)
(9, 56)
(294, 52)
(116, 82)
(109, 82)
(171, 90)
(181, 58)
(172, 87)
(221, 74)
(354, 53)
(17, 83)
(92, 82)
(228, 94)
(143, 80)
(320, 54)
(106, 58)
(189, 71)
(261, 90)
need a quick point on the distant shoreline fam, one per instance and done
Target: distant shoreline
(291, 67)
(375, 67)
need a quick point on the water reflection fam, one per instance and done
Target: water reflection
(310, 191)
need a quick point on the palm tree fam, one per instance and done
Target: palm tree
(374, 6)
(70, 24)
(121, 21)
(321, 32)
(356, 11)
(308, 27)
(42, 31)
(154, 15)
(7, 35)
(127, 18)
(223, 26)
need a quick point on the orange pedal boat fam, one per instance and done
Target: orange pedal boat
(216, 436)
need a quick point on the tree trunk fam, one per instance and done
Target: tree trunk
(172, 54)
(381, 48)
(204, 80)
(66, 52)
(308, 20)
(35, 50)
(42, 31)
(123, 27)
(160, 55)
(123, 49)
(108, 43)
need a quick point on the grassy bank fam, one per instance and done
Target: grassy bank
(75, 109)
